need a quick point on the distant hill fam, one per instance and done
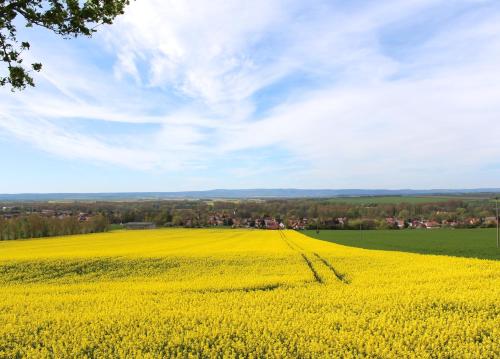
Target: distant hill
(240, 193)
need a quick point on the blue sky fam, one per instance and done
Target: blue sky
(193, 95)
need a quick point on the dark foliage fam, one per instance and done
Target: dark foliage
(27, 219)
(68, 18)
(34, 226)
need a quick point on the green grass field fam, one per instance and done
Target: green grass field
(397, 199)
(474, 243)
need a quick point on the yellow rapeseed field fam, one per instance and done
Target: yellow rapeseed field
(240, 293)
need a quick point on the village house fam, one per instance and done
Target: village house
(215, 220)
(418, 224)
(260, 223)
(237, 223)
(432, 224)
(394, 222)
(473, 221)
(64, 214)
(449, 223)
(48, 212)
(490, 220)
(83, 217)
(297, 224)
(271, 224)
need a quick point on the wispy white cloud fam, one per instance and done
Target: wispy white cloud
(357, 101)
(67, 144)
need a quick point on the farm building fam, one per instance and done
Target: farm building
(140, 225)
(271, 224)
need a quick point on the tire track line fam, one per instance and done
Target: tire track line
(300, 250)
(341, 277)
(317, 277)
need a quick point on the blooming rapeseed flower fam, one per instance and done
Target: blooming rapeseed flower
(231, 293)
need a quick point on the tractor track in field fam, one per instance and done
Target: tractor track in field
(297, 248)
(341, 277)
(283, 237)
(317, 277)
(262, 288)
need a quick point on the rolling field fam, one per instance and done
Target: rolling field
(473, 243)
(240, 293)
(371, 200)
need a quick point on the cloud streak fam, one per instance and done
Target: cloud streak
(348, 95)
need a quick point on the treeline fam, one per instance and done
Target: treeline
(34, 226)
(321, 213)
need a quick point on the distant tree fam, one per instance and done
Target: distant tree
(68, 18)
(98, 223)
(162, 217)
(36, 226)
(382, 224)
(461, 213)
(3, 229)
(177, 220)
(404, 214)
(484, 214)
(70, 225)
